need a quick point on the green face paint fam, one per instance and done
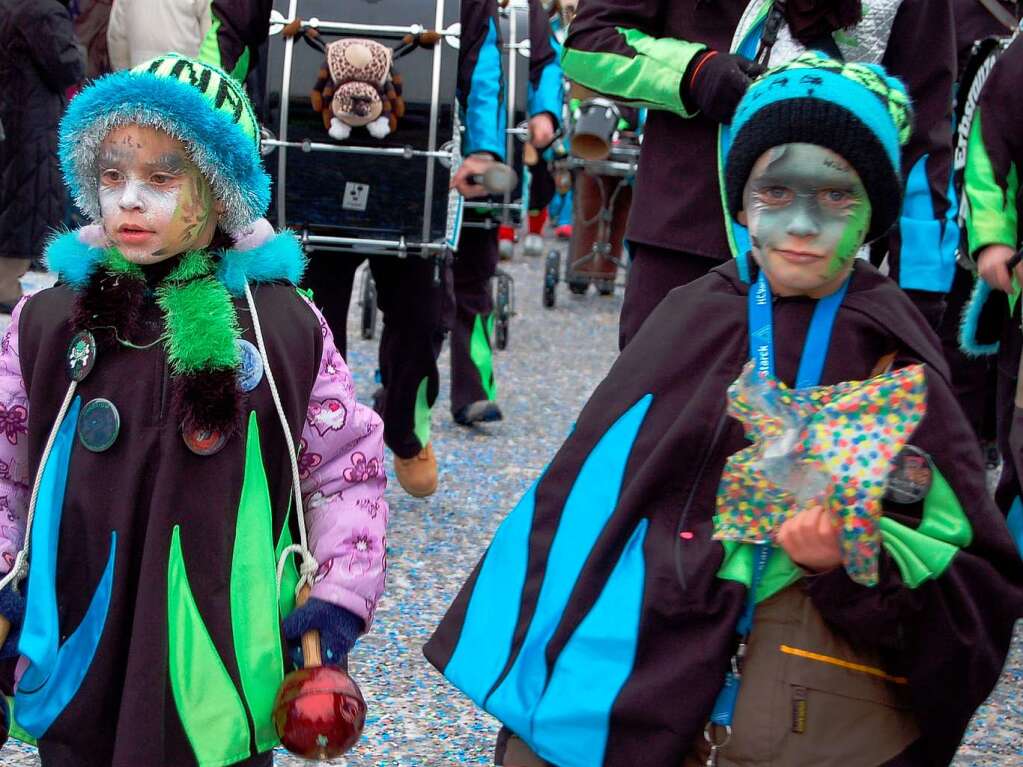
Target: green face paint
(808, 215)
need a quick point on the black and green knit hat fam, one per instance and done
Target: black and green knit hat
(856, 110)
(197, 103)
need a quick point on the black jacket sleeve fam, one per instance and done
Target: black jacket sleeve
(618, 48)
(50, 39)
(241, 28)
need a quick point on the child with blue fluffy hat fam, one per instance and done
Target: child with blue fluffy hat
(177, 421)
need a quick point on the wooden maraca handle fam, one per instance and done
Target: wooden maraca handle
(5, 629)
(311, 654)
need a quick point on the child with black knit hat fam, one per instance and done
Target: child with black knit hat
(767, 540)
(177, 421)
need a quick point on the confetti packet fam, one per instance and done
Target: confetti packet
(827, 445)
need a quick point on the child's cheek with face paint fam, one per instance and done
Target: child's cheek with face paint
(838, 235)
(137, 216)
(193, 220)
(851, 236)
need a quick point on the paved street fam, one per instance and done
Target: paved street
(554, 359)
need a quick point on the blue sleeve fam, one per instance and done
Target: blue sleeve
(921, 52)
(484, 111)
(928, 240)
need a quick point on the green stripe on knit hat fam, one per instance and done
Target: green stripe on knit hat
(223, 92)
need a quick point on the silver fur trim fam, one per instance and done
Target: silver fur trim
(239, 204)
(865, 43)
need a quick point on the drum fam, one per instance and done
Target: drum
(594, 129)
(361, 193)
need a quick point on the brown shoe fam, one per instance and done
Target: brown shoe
(417, 475)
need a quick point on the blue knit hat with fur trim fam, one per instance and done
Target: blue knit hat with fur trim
(855, 110)
(198, 104)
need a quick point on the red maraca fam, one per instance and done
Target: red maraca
(319, 711)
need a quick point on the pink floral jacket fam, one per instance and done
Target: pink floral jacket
(341, 467)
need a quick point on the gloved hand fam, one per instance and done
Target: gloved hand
(12, 607)
(715, 82)
(338, 629)
(930, 304)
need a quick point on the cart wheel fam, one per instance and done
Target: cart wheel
(551, 269)
(578, 286)
(369, 307)
(502, 310)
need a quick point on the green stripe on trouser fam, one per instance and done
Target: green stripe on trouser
(421, 428)
(481, 354)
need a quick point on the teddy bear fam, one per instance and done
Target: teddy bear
(358, 86)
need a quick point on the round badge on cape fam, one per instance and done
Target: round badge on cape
(250, 367)
(203, 442)
(910, 477)
(81, 355)
(99, 423)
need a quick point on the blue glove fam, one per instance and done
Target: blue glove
(338, 629)
(12, 607)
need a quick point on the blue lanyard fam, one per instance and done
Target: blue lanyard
(811, 367)
(818, 338)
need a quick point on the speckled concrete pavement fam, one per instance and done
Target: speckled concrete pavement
(554, 359)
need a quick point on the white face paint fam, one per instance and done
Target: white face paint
(154, 202)
(154, 207)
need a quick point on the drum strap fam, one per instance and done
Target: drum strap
(1004, 17)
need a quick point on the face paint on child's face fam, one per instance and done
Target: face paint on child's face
(808, 214)
(154, 201)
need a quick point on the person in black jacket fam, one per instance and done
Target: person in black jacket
(973, 378)
(689, 61)
(410, 299)
(473, 384)
(39, 61)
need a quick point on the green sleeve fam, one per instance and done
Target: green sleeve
(991, 213)
(645, 71)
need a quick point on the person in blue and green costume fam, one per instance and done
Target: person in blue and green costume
(977, 24)
(603, 621)
(690, 61)
(186, 419)
(473, 379)
(991, 320)
(412, 300)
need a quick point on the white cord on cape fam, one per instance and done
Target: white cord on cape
(309, 564)
(20, 566)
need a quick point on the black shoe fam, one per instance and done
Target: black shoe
(481, 411)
